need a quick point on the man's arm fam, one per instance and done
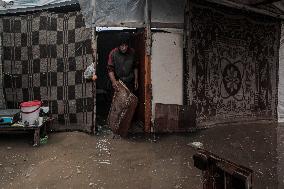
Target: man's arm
(113, 80)
(110, 68)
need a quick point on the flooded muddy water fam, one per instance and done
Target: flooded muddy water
(255, 146)
(78, 160)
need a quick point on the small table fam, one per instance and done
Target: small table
(36, 129)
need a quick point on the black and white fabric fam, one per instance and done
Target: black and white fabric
(231, 72)
(2, 99)
(45, 56)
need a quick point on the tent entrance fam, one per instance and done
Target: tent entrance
(108, 40)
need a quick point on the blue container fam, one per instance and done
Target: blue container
(6, 120)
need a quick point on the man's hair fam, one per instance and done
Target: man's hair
(124, 38)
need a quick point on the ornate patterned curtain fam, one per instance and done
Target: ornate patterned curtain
(232, 67)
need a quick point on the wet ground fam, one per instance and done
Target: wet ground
(259, 147)
(78, 160)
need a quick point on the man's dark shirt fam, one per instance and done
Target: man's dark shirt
(123, 64)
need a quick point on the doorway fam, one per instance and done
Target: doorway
(106, 41)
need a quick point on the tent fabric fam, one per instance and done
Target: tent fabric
(231, 72)
(281, 78)
(130, 13)
(113, 13)
(2, 99)
(19, 4)
(168, 11)
(32, 5)
(45, 56)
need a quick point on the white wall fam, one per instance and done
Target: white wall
(281, 78)
(167, 68)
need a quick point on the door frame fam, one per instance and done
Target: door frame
(147, 92)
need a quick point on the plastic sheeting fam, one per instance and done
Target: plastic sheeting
(129, 13)
(168, 11)
(110, 13)
(281, 79)
(30, 5)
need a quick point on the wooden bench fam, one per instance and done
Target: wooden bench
(37, 130)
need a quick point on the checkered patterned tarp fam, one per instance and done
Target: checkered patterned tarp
(2, 99)
(44, 58)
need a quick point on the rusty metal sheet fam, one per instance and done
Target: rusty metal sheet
(174, 118)
(122, 110)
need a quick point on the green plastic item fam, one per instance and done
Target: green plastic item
(44, 140)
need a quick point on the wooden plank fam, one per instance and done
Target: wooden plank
(95, 60)
(148, 82)
(217, 170)
(10, 128)
(174, 118)
(148, 95)
(167, 25)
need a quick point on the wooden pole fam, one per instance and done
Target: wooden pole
(95, 58)
(148, 83)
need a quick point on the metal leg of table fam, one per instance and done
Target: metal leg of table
(37, 137)
(44, 129)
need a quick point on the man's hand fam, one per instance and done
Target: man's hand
(136, 79)
(94, 78)
(136, 85)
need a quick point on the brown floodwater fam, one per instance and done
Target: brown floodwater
(78, 160)
(258, 146)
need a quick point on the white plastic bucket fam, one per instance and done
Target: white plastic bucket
(30, 111)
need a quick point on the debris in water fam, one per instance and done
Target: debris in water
(105, 162)
(178, 186)
(91, 184)
(196, 145)
(9, 169)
